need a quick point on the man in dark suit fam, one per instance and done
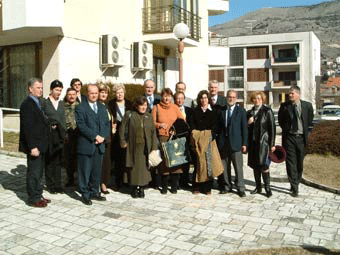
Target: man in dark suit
(232, 141)
(295, 117)
(34, 142)
(216, 101)
(94, 128)
(153, 99)
(181, 87)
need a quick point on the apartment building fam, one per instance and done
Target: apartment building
(267, 62)
(122, 41)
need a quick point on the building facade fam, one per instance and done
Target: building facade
(268, 62)
(62, 40)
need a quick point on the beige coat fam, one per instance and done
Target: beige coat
(206, 159)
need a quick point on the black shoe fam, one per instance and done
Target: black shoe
(86, 201)
(223, 190)
(106, 192)
(52, 190)
(256, 191)
(99, 198)
(268, 192)
(241, 193)
(134, 193)
(141, 193)
(164, 190)
(60, 190)
(173, 190)
(295, 194)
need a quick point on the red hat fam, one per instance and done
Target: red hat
(279, 155)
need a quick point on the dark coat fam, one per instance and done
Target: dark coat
(285, 117)
(127, 134)
(90, 125)
(261, 136)
(200, 120)
(55, 117)
(33, 127)
(113, 109)
(238, 131)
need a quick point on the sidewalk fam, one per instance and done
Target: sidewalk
(164, 224)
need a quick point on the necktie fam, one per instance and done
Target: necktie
(151, 102)
(213, 101)
(183, 112)
(295, 119)
(95, 108)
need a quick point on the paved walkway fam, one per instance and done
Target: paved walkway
(164, 224)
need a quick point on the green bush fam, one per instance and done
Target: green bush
(325, 138)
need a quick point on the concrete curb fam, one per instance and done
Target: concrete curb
(14, 154)
(319, 186)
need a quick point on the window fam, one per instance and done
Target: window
(158, 73)
(236, 56)
(235, 78)
(257, 74)
(18, 64)
(217, 75)
(257, 53)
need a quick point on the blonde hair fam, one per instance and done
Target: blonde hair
(117, 87)
(104, 87)
(258, 93)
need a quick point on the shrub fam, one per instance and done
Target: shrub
(325, 138)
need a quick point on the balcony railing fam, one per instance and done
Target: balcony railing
(286, 59)
(218, 40)
(163, 20)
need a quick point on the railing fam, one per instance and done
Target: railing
(221, 41)
(286, 59)
(2, 129)
(163, 20)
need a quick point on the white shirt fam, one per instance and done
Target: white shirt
(92, 104)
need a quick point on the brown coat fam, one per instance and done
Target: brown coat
(137, 153)
(201, 141)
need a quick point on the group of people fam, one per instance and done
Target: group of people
(103, 140)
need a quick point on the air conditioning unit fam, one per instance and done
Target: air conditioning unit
(112, 51)
(142, 56)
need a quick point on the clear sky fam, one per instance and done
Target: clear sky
(239, 8)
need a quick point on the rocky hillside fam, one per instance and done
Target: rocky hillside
(323, 19)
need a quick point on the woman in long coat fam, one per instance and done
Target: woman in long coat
(138, 135)
(261, 140)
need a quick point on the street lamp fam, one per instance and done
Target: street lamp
(181, 31)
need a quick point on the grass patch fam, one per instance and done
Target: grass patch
(323, 169)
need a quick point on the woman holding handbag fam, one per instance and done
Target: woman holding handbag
(164, 115)
(261, 140)
(138, 136)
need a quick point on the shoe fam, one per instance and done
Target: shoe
(295, 194)
(99, 198)
(164, 190)
(52, 191)
(256, 191)
(173, 190)
(268, 192)
(208, 193)
(135, 193)
(141, 193)
(40, 203)
(86, 201)
(223, 190)
(241, 193)
(106, 192)
(59, 190)
(47, 201)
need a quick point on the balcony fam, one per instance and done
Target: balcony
(217, 7)
(161, 21)
(286, 54)
(216, 40)
(32, 19)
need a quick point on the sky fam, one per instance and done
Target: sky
(239, 8)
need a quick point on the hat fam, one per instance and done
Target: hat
(279, 155)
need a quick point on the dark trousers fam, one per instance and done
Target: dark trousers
(265, 176)
(106, 165)
(71, 155)
(294, 161)
(89, 173)
(235, 157)
(53, 166)
(35, 170)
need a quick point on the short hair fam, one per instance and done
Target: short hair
(231, 91)
(181, 82)
(166, 91)
(104, 87)
(56, 84)
(68, 90)
(74, 80)
(32, 81)
(200, 95)
(296, 88)
(117, 87)
(213, 82)
(146, 81)
(258, 93)
(179, 93)
(91, 85)
(139, 100)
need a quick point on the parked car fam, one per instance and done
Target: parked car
(330, 112)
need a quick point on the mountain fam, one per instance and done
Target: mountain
(322, 18)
